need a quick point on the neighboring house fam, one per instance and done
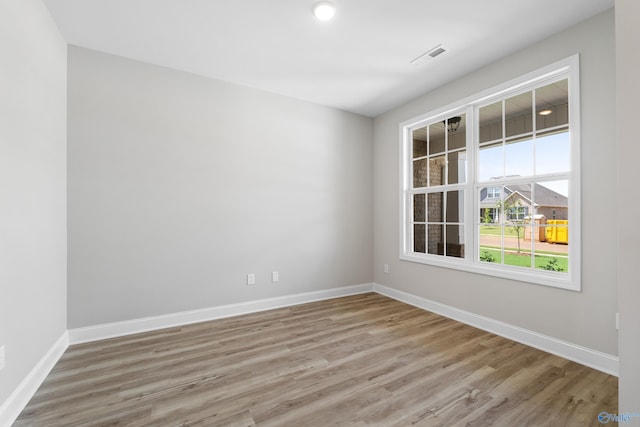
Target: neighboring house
(518, 199)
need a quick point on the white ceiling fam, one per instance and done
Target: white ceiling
(359, 61)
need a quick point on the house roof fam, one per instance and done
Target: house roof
(544, 197)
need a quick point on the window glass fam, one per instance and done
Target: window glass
(552, 105)
(419, 238)
(420, 142)
(552, 225)
(455, 241)
(490, 122)
(518, 114)
(455, 206)
(457, 167)
(518, 158)
(419, 208)
(553, 153)
(435, 205)
(436, 239)
(490, 162)
(436, 138)
(420, 173)
(437, 169)
(457, 135)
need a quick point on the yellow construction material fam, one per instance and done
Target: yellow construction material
(557, 231)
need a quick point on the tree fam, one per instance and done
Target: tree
(513, 207)
(486, 217)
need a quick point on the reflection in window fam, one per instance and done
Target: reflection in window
(518, 114)
(525, 135)
(439, 161)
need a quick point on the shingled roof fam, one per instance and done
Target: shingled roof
(544, 196)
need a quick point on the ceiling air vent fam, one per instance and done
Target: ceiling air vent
(436, 51)
(429, 54)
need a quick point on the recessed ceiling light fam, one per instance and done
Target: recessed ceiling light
(324, 10)
(545, 112)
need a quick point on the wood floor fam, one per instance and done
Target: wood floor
(353, 361)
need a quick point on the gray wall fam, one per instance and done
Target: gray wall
(586, 318)
(32, 187)
(628, 93)
(180, 185)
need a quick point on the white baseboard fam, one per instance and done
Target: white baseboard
(117, 329)
(601, 361)
(13, 406)
(606, 363)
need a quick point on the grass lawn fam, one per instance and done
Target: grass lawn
(561, 254)
(524, 259)
(496, 230)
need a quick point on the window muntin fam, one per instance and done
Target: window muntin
(517, 150)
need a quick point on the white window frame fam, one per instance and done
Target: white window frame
(571, 280)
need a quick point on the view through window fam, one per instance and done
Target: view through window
(491, 185)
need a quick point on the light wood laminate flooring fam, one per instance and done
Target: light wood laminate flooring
(353, 361)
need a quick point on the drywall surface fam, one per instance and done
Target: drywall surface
(180, 186)
(586, 318)
(32, 188)
(628, 93)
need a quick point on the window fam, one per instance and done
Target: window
(491, 184)
(517, 213)
(493, 192)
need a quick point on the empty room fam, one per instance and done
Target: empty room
(312, 213)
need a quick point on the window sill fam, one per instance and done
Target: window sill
(544, 278)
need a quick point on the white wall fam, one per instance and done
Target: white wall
(586, 318)
(180, 185)
(628, 93)
(32, 188)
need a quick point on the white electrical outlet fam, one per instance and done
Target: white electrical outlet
(251, 279)
(1, 358)
(275, 276)
(386, 268)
